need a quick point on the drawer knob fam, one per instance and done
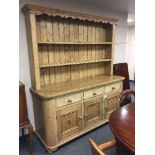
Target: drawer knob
(113, 88)
(94, 94)
(86, 115)
(80, 117)
(69, 101)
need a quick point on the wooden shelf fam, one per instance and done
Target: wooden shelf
(74, 63)
(76, 43)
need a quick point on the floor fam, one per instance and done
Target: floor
(79, 146)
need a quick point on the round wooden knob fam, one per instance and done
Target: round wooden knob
(94, 94)
(70, 101)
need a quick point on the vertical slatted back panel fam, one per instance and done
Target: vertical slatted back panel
(56, 29)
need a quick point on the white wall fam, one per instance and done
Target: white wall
(120, 41)
(130, 52)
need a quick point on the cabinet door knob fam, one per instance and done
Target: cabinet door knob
(86, 115)
(113, 88)
(94, 94)
(80, 117)
(69, 101)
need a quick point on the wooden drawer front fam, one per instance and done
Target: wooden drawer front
(112, 87)
(94, 92)
(60, 102)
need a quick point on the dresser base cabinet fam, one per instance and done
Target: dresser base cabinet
(61, 118)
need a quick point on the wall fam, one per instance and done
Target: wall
(130, 52)
(120, 40)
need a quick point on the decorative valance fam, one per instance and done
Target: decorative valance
(38, 10)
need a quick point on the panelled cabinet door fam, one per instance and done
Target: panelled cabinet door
(111, 103)
(69, 120)
(93, 110)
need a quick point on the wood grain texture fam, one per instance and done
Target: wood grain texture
(75, 85)
(30, 20)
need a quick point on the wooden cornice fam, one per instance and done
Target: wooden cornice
(38, 10)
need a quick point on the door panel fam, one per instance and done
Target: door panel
(93, 110)
(69, 120)
(111, 103)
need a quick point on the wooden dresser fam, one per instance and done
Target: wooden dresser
(71, 65)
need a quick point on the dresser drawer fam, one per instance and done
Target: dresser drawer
(112, 87)
(94, 92)
(62, 101)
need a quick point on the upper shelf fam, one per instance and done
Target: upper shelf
(74, 63)
(76, 43)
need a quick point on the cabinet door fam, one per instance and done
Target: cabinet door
(69, 120)
(93, 110)
(111, 103)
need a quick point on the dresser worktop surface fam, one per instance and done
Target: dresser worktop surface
(76, 85)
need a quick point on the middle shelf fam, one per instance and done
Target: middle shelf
(65, 55)
(74, 43)
(74, 63)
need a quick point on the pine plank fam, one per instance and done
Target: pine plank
(52, 75)
(81, 29)
(49, 29)
(43, 28)
(67, 53)
(62, 70)
(40, 54)
(89, 68)
(45, 55)
(42, 83)
(38, 28)
(66, 30)
(55, 29)
(73, 72)
(57, 75)
(76, 32)
(89, 32)
(81, 72)
(89, 49)
(76, 50)
(72, 54)
(56, 54)
(51, 54)
(46, 75)
(62, 54)
(71, 31)
(61, 30)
